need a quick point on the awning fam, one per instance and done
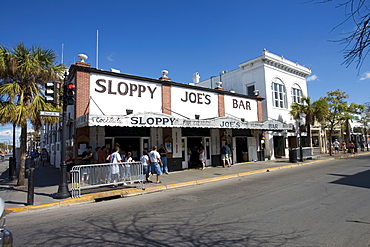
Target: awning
(149, 119)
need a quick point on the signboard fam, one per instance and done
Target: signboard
(163, 120)
(111, 95)
(49, 113)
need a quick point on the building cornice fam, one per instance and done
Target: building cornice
(279, 62)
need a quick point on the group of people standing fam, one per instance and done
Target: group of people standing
(154, 163)
(337, 146)
(39, 157)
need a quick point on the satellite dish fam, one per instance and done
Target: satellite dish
(83, 57)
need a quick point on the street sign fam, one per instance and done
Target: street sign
(50, 113)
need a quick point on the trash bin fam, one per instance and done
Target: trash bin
(261, 155)
(293, 156)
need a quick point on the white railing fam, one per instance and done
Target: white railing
(96, 175)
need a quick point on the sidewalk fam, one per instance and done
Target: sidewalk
(47, 180)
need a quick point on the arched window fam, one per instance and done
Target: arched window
(296, 94)
(279, 93)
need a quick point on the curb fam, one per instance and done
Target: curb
(135, 191)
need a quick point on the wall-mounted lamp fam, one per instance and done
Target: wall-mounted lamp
(256, 92)
(128, 111)
(197, 117)
(242, 119)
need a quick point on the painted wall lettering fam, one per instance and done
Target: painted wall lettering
(229, 124)
(273, 126)
(160, 121)
(246, 105)
(123, 88)
(197, 98)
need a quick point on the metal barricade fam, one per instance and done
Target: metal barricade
(96, 175)
(307, 153)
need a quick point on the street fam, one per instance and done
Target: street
(321, 204)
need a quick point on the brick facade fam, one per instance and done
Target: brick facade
(166, 99)
(82, 91)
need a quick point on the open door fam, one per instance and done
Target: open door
(144, 145)
(207, 149)
(252, 149)
(185, 154)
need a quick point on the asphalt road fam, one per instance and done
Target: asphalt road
(321, 204)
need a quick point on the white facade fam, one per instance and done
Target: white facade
(280, 81)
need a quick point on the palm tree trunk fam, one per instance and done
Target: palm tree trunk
(22, 164)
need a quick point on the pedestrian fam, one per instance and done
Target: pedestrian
(225, 150)
(336, 146)
(127, 165)
(115, 159)
(202, 158)
(230, 154)
(86, 159)
(44, 156)
(362, 145)
(146, 164)
(352, 147)
(102, 155)
(95, 156)
(87, 156)
(163, 153)
(344, 147)
(155, 160)
(36, 159)
(3, 155)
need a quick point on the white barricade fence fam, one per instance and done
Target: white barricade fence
(307, 153)
(96, 175)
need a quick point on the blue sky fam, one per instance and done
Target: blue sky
(143, 37)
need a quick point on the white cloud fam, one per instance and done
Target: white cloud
(312, 78)
(365, 76)
(110, 58)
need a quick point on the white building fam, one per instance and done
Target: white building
(280, 81)
(138, 113)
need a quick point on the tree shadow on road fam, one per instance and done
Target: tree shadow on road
(360, 179)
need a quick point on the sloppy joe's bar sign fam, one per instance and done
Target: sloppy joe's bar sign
(163, 120)
(112, 95)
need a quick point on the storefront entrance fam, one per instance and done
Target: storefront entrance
(279, 147)
(241, 145)
(194, 145)
(129, 144)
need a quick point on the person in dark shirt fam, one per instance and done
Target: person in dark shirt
(87, 156)
(163, 152)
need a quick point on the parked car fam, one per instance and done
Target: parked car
(6, 237)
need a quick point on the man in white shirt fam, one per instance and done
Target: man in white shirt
(155, 160)
(336, 146)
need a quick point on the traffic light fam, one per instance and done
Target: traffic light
(51, 92)
(69, 94)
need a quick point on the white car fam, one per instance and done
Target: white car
(6, 237)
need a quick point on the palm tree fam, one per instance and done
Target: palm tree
(23, 75)
(313, 112)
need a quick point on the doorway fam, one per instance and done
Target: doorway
(241, 145)
(129, 144)
(279, 147)
(193, 146)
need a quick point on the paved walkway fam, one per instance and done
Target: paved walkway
(47, 180)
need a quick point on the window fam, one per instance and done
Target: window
(278, 89)
(296, 95)
(250, 90)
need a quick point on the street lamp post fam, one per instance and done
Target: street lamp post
(300, 138)
(63, 191)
